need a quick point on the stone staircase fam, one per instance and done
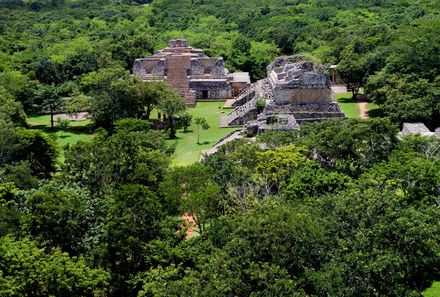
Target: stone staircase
(177, 77)
(245, 96)
(240, 114)
(248, 111)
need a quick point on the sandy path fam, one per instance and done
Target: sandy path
(80, 116)
(190, 221)
(363, 109)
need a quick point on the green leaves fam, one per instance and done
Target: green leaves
(28, 270)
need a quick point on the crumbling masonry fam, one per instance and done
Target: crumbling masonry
(192, 73)
(295, 91)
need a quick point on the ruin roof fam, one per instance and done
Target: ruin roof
(415, 128)
(241, 77)
(297, 72)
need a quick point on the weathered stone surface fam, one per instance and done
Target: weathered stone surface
(415, 129)
(191, 73)
(296, 91)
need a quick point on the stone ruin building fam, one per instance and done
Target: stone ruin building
(192, 73)
(417, 129)
(295, 91)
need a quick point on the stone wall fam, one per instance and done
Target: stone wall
(149, 68)
(211, 89)
(283, 96)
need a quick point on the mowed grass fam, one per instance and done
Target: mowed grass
(187, 150)
(77, 131)
(433, 291)
(348, 105)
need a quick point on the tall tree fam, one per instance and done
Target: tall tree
(172, 105)
(201, 123)
(352, 70)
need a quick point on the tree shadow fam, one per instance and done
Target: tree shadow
(203, 142)
(174, 138)
(346, 100)
(376, 113)
(86, 129)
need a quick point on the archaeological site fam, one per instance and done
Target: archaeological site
(296, 90)
(192, 73)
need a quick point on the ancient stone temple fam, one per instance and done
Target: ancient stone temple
(192, 73)
(295, 91)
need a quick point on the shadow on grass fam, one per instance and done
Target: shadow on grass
(87, 129)
(174, 138)
(203, 142)
(375, 113)
(346, 100)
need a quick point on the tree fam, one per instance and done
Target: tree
(55, 214)
(351, 69)
(116, 102)
(152, 94)
(201, 123)
(10, 110)
(63, 124)
(196, 192)
(48, 71)
(35, 147)
(29, 270)
(376, 235)
(350, 145)
(10, 215)
(50, 97)
(412, 170)
(311, 180)
(185, 120)
(126, 157)
(132, 221)
(172, 104)
(276, 166)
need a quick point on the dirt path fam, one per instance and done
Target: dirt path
(363, 109)
(190, 221)
(80, 116)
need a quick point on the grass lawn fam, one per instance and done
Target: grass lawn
(433, 291)
(77, 131)
(187, 149)
(348, 105)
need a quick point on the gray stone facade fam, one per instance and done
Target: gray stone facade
(191, 73)
(296, 91)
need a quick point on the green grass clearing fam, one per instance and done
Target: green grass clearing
(433, 291)
(77, 131)
(348, 105)
(187, 149)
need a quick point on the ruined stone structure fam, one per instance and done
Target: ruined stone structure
(192, 73)
(417, 129)
(295, 91)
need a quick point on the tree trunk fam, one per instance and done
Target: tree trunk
(51, 117)
(172, 127)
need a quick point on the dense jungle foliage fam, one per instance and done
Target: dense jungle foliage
(338, 208)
